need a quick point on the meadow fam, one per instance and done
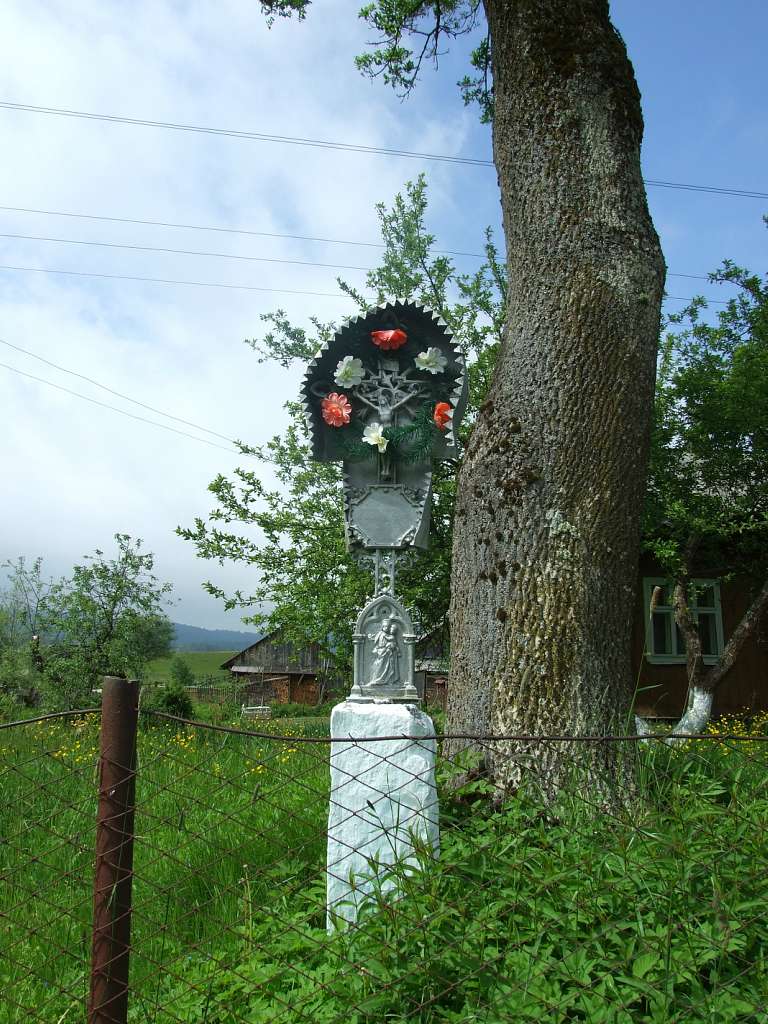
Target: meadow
(568, 910)
(203, 665)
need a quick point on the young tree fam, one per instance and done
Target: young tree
(547, 531)
(181, 674)
(104, 619)
(21, 606)
(307, 583)
(708, 494)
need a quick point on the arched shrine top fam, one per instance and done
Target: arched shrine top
(385, 397)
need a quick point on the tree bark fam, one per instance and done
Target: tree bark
(547, 527)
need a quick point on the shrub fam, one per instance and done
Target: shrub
(180, 672)
(173, 700)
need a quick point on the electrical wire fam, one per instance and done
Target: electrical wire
(118, 394)
(210, 227)
(215, 284)
(113, 408)
(234, 256)
(181, 252)
(326, 144)
(166, 280)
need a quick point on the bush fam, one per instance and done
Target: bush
(173, 700)
(180, 672)
(302, 710)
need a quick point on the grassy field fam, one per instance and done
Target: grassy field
(202, 664)
(651, 911)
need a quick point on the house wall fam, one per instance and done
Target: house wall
(744, 688)
(281, 689)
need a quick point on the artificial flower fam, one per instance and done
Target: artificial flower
(349, 372)
(374, 434)
(433, 361)
(443, 415)
(336, 409)
(389, 339)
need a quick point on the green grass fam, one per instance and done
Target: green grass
(202, 663)
(650, 911)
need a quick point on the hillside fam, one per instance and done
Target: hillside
(195, 638)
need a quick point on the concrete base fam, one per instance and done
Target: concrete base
(383, 797)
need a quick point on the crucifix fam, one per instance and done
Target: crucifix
(384, 397)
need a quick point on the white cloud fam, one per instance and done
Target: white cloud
(75, 473)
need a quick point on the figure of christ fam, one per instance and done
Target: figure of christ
(385, 392)
(385, 668)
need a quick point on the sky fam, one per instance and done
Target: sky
(74, 473)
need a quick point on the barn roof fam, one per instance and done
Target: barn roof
(235, 657)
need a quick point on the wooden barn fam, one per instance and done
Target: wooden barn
(275, 671)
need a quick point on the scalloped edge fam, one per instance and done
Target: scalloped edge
(458, 395)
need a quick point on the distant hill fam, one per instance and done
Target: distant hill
(195, 638)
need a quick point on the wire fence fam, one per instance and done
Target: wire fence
(179, 872)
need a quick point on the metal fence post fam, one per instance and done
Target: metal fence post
(108, 1003)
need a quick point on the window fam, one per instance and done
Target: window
(664, 643)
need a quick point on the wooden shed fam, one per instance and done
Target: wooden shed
(273, 670)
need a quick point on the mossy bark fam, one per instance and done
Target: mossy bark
(547, 523)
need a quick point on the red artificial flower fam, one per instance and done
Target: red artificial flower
(389, 339)
(443, 415)
(336, 410)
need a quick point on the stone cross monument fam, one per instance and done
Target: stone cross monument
(384, 397)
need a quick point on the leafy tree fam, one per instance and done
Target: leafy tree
(308, 585)
(21, 607)
(547, 529)
(708, 494)
(180, 672)
(106, 618)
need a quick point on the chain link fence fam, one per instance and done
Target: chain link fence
(176, 872)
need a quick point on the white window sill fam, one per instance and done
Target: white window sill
(678, 659)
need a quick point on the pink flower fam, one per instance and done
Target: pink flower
(389, 339)
(336, 409)
(443, 415)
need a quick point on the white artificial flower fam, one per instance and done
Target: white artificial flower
(433, 361)
(374, 434)
(349, 372)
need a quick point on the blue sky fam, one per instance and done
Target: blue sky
(73, 473)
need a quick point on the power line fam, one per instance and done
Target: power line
(165, 280)
(118, 394)
(226, 255)
(217, 284)
(688, 298)
(228, 231)
(182, 252)
(346, 147)
(113, 408)
(290, 140)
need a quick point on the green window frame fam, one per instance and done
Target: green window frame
(664, 643)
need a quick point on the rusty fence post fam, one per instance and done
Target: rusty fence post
(108, 1003)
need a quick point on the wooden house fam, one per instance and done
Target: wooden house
(275, 671)
(658, 653)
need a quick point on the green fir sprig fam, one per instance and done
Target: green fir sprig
(410, 443)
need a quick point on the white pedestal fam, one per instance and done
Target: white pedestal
(383, 797)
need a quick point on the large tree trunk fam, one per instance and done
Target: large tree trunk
(548, 509)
